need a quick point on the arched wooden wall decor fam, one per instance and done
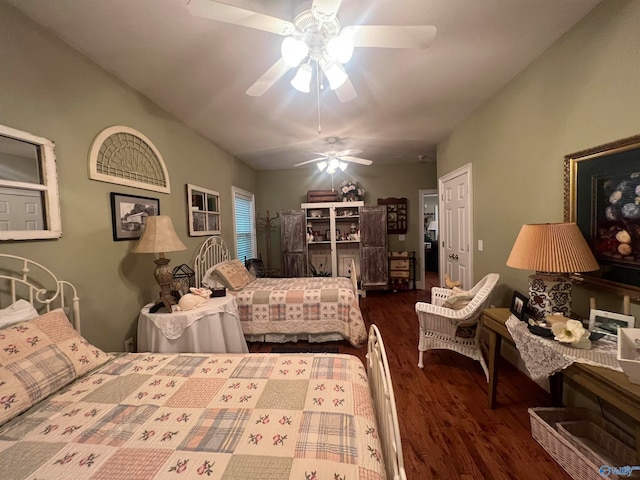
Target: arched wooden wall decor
(125, 156)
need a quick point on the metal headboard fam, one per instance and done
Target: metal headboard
(21, 278)
(212, 251)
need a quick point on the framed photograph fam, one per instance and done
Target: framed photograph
(327, 235)
(519, 305)
(129, 213)
(602, 196)
(609, 322)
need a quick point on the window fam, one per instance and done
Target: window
(29, 202)
(244, 223)
(204, 211)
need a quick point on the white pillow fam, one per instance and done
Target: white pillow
(19, 311)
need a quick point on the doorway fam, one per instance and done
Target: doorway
(456, 227)
(429, 228)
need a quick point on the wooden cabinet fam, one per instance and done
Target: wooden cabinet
(333, 237)
(293, 240)
(402, 273)
(396, 214)
(373, 247)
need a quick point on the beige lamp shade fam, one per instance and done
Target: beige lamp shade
(159, 236)
(552, 247)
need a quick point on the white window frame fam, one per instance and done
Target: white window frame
(49, 187)
(235, 191)
(205, 193)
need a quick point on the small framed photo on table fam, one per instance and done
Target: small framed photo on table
(609, 322)
(519, 305)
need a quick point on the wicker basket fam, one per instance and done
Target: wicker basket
(581, 467)
(599, 446)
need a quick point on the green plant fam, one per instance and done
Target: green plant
(321, 273)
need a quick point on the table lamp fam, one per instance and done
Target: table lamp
(159, 237)
(553, 250)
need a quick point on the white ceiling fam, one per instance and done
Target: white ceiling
(408, 100)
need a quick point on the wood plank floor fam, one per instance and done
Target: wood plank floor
(447, 430)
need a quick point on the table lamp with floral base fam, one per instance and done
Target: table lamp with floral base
(553, 250)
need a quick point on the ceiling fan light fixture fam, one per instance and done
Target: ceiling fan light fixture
(343, 166)
(302, 80)
(322, 165)
(293, 51)
(334, 72)
(341, 47)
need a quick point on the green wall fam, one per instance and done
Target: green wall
(580, 93)
(51, 90)
(287, 189)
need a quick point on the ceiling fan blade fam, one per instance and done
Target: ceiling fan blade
(325, 10)
(361, 161)
(353, 151)
(268, 78)
(239, 16)
(393, 36)
(346, 92)
(309, 161)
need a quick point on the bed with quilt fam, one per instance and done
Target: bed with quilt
(71, 411)
(315, 309)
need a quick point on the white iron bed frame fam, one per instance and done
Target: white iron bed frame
(214, 251)
(21, 278)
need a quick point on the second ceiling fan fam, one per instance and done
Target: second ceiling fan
(332, 160)
(314, 40)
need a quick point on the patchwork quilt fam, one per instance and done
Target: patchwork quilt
(221, 416)
(306, 305)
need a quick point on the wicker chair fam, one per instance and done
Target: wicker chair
(441, 327)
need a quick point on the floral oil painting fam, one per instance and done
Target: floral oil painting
(602, 196)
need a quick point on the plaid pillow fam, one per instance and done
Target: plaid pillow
(38, 357)
(233, 274)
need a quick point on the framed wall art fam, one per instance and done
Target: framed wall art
(129, 213)
(203, 211)
(602, 196)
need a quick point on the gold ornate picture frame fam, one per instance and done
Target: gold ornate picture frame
(602, 196)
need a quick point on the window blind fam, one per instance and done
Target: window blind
(244, 216)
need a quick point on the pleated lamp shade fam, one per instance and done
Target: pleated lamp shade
(552, 247)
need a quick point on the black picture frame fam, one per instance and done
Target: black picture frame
(128, 214)
(519, 305)
(601, 188)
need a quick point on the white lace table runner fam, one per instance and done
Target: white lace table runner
(173, 325)
(544, 356)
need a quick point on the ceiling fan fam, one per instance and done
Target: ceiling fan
(315, 39)
(333, 160)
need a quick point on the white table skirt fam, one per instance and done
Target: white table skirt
(212, 328)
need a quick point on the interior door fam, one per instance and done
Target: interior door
(455, 237)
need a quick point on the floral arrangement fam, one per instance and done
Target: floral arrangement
(351, 191)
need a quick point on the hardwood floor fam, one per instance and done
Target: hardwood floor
(447, 430)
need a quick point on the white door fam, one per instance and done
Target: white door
(456, 257)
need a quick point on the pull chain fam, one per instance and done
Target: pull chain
(318, 98)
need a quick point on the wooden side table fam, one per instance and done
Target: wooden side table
(611, 386)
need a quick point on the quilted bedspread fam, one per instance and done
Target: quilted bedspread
(223, 416)
(306, 305)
